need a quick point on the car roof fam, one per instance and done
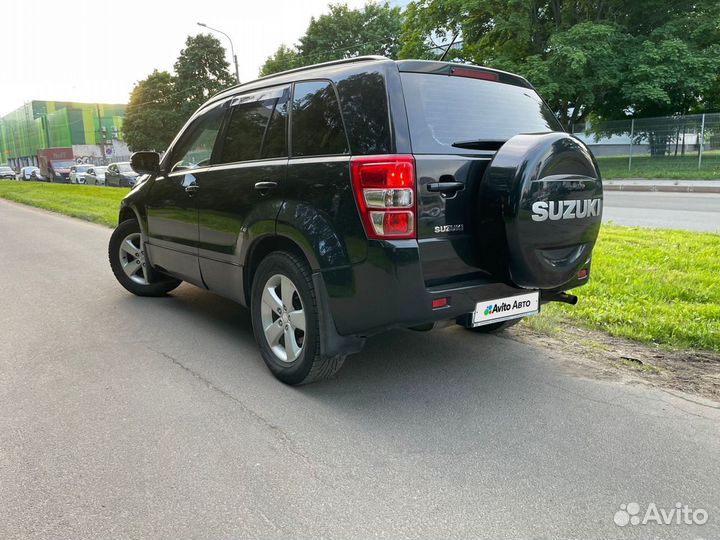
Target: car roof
(329, 69)
(315, 70)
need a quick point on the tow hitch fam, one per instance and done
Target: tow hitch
(559, 297)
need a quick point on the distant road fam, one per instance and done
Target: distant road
(686, 211)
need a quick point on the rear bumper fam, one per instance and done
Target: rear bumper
(388, 291)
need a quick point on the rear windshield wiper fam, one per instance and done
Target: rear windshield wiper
(480, 144)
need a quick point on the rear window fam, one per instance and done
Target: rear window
(443, 110)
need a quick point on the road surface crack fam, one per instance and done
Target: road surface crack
(283, 438)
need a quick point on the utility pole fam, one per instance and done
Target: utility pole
(702, 141)
(632, 135)
(232, 49)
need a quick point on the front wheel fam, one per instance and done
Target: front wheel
(128, 262)
(284, 313)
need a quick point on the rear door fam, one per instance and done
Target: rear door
(172, 214)
(446, 109)
(238, 197)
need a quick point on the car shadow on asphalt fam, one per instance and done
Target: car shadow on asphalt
(397, 362)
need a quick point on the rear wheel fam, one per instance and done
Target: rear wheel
(126, 252)
(285, 321)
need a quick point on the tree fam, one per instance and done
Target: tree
(342, 33)
(151, 120)
(201, 71)
(605, 58)
(284, 58)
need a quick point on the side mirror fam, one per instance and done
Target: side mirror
(145, 162)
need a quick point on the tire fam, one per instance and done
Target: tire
(283, 278)
(147, 282)
(494, 328)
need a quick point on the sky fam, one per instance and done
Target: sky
(95, 51)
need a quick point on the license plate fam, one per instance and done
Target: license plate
(502, 309)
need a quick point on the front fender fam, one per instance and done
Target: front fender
(134, 202)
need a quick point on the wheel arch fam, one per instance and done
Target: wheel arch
(129, 211)
(261, 248)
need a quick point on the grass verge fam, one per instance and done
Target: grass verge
(672, 167)
(648, 285)
(92, 203)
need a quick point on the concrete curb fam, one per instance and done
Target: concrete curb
(661, 188)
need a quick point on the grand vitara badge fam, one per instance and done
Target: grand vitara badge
(573, 209)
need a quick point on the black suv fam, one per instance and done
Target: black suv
(340, 200)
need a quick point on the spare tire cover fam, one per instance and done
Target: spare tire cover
(539, 211)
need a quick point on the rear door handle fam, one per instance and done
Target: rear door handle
(445, 187)
(265, 185)
(191, 189)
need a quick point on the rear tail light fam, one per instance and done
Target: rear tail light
(384, 189)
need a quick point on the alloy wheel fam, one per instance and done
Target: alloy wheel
(283, 318)
(132, 258)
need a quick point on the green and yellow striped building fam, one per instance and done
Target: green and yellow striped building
(53, 124)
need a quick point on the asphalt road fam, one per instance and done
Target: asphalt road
(130, 417)
(687, 211)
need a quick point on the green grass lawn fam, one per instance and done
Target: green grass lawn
(650, 285)
(680, 167)
(654, 286)
(92, 203)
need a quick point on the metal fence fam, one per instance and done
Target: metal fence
(672, 146)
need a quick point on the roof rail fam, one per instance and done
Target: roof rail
(324, 64)
(312, 66)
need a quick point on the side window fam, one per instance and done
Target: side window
(195, 147)
(317, 127)
(257, 128)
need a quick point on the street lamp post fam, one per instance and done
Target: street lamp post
(232, 49)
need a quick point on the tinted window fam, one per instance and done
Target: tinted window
(252, 123)
(195, 147)
(275, 144)
(443, 110)
(364, 104)
(317, 127)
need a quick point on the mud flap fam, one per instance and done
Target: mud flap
(332, 343)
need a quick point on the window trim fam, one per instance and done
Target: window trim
(290, 118)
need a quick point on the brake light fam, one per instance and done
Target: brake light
(384, 189)
(474, 74)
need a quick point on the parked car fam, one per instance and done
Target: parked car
(78, 172)
(95, 176)
(120, 174)
(38, 176)
(411, 194)
(7, 173)
(27, 172)
(59, 171)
